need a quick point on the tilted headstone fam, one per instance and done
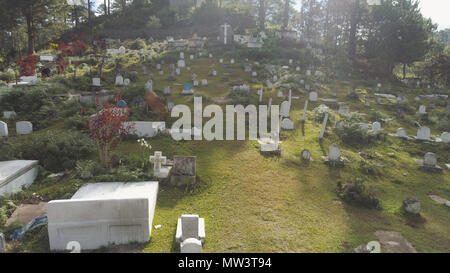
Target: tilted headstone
(24, 128)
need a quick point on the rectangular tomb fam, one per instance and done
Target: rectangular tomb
(16, 174)
(100, 214)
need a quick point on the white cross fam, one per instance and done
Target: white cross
(157, 160)
(225, 30)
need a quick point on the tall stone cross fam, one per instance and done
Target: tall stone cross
(225, 32)
(157, 160)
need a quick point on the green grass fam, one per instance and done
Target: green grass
(254, 203)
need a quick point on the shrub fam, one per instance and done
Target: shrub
(352, 133)
(55, 150)
(137, 44)
(318, 114)
(356, 193)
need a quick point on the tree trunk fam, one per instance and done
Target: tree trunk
(106, 7)
(30, 33)
(353, 25)
(286, 14)
(262, 15)
(109, 7)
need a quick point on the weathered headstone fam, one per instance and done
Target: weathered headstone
(126, 82)
(9, 114)
(334, 155)
(376, 127)
(401, 132)
(423, 133)
(313, 96)
(411, 205)
(24, 128)
(445, 137)
(306, 155)
(2, 243)
(184, 171)
(344, 110)
(149, 85)
(285, 109)
(422, 110)
(287, 124)
(96, 82)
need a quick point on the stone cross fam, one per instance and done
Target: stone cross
(225, 32)
(157, 160)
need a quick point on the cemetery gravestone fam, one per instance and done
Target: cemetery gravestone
(401, 133)
(96, 82)
(313, 96)
(119, 80)
(285, 109)
(3, 129)
(423, 133)
(157, 159)
(2, 243)
(126, 82)
(445, 137)
(334, 155)
(9, 114)
(183, 171)
(306, 155)
(24, 128)
(287, 124)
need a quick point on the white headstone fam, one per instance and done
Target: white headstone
(181, 63)
(96, 81)
(9, 114)
(334, 153)
(119, 80)
(306, 155)
(24, 128)
(287, 124)
(376, 126)
(423, 133)
(122, 50)
(422, 109)
(191, 245)
(3, 129)
(149, 85)
(285, 109)
(181, 55)
(401, 133)
(445, 137)
(157, 159)
(313, 96)
(126, 82)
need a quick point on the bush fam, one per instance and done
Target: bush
(356, 193)
(352, 133)
(137, 44)
(25, 99)
(318, 114)
(56, 151)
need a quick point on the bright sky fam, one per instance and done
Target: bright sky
(437, 10)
